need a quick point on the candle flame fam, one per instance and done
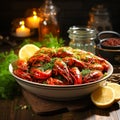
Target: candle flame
(22, 24)
(34, 13)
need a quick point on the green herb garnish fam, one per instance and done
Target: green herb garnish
(49, 41)
(52, 42)
(85, 72)
(8, 85)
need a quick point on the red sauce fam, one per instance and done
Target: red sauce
(111, 42)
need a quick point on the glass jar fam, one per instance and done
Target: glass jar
(82, 38)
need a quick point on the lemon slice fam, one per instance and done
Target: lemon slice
(27, 51)
(103, 97)
(116, 88)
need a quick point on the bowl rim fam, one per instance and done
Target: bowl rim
(109, 73)
(106, 49)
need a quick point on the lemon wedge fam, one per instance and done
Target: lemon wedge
(116, 88)
(27, 51)
(103, 97)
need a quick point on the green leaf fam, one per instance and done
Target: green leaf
(8, 85)
(28, 41)
(52, 41)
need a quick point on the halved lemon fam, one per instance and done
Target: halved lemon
(103, 97)
(27, 51)
(116, 88)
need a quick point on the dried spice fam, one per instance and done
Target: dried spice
(111, 42)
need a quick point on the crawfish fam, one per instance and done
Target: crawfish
(61, 68)
(71, 61)
(102, 66)
(39, 74)
(54, 81)
(63, 52)
(96, 66)
(22, 64)
(38, 60)
(76, 75)
(92, 76)
(23, 74)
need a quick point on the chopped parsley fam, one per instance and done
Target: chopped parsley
(85, 72)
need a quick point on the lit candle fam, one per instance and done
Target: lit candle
(22, 31)
(33, 21)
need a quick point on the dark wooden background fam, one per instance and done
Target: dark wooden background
(71, 12)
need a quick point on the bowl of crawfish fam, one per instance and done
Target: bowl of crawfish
(61, 74)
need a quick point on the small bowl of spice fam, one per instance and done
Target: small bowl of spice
(109, 39)
(111, 43)
(108, 46)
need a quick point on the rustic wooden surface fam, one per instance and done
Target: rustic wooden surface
(20, 108)
(43, 106)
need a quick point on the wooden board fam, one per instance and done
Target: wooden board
(43, 106)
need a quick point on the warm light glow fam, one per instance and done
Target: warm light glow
(22, 24)
(33, 21)
(34, 13)
(22, 31)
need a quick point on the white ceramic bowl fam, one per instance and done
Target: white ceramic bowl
(60, 93)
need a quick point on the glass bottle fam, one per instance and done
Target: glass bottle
(82, 38)
(48, 23)
(99, 18)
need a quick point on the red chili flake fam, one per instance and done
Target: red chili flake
(111, 42)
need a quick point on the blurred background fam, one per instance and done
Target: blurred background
(70, 12)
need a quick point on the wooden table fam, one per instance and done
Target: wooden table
(18, 109)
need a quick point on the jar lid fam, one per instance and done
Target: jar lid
(82, 32)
